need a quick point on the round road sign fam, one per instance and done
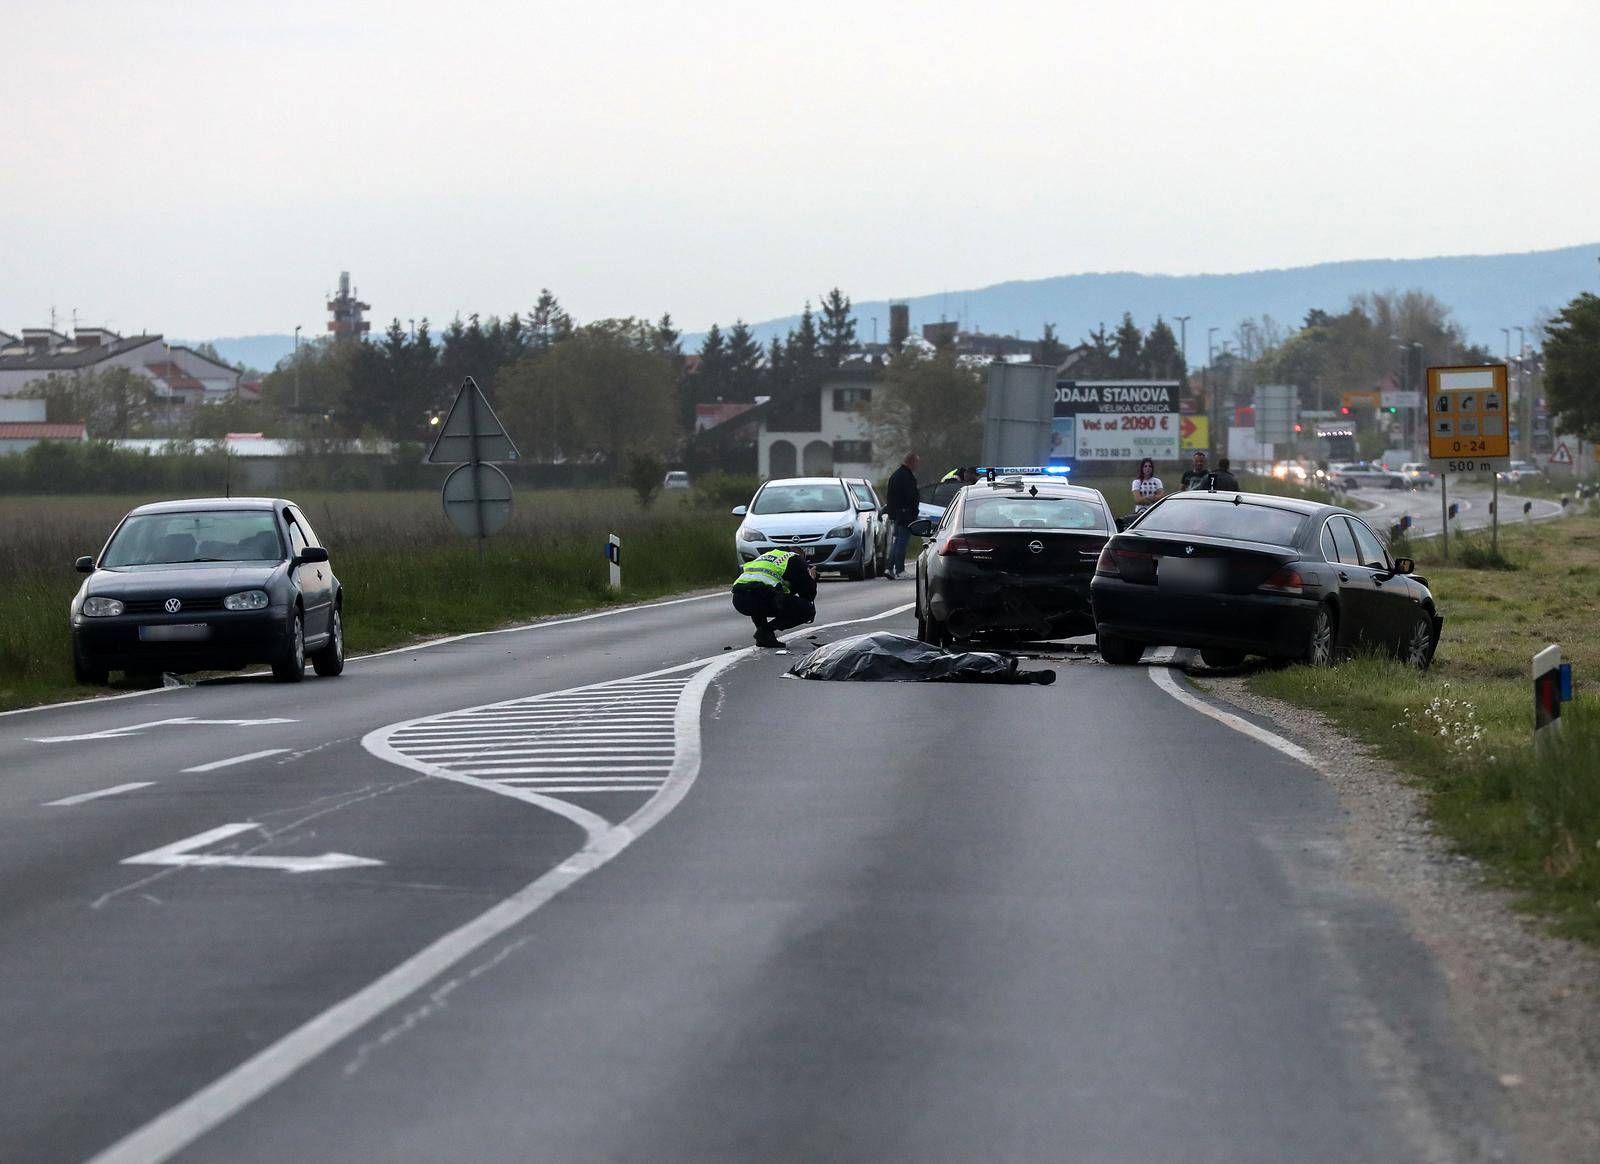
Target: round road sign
(477, 499)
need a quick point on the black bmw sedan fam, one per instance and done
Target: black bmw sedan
(1011, 557)
(211, 584)
(1238, 574)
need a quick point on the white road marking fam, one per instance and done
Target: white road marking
(182, 853)
(183, 1124)
(135, 728)
(1163, 679)
(85, 797)
(232, 760)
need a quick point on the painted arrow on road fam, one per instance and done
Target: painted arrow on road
(133, 728)
(183, 853)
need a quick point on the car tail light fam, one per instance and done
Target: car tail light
(1285, 581)
(967, 548)
(1106, 563)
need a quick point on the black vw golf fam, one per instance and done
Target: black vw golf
(1246, 573)
(1012, 557)
(211, 584)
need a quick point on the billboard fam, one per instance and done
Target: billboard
(1117, 420)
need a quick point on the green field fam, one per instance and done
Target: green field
(405, 571)
(1464, 729)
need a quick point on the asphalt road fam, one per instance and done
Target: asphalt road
(461, 903)
(1425, 507)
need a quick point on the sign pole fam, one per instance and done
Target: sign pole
(477, 485)
(1444, 511)
(1494, 515)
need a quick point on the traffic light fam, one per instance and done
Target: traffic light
(1391, 410)
(1297, 428)
(1344, 410)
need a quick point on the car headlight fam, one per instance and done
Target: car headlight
(101, 607)
(842, 531)
(746, 534)
(246, 600)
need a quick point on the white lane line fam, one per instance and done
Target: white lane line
(232, 760)
(587, 788)
(1162, 677)
(184, 1123)
(519, 770)
(85, 797)
(568, 778)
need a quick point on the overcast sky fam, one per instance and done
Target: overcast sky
(207, 169)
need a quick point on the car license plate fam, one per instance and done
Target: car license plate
(1189, 575)
(179, 632)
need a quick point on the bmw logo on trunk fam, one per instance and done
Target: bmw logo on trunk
(173, 605)
(1188, 549)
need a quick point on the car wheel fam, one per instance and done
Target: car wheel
(290, 665)
(1117, 650)
(1417, 649)
(1319, 650)
(87, 673)
(329, 661)
(1221, 658)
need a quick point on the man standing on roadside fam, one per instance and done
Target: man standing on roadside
(1223, 478)
(902, 511)
(1195, 477)
(776, 591)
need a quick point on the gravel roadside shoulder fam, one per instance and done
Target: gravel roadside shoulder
(1530, 1002)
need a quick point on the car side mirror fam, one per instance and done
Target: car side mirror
(85, 565)
(739, 510)
(1404, 565)
(311, 555)
(923, 527)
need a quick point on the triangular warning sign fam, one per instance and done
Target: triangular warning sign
(470, 417)
(1562, 455)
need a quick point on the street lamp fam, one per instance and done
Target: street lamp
(1183, 341)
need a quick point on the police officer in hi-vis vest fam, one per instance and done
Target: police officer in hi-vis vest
(777, 591)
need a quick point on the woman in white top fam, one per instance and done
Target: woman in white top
(1147, 487)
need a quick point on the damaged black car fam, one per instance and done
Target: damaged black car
(1011, 558)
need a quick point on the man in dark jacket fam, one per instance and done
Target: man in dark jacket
(1223, 479)
(902, 506)
(776, 591)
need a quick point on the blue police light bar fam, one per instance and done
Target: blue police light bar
(1025, 470)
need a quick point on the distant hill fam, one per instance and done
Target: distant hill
(261, 352)
(1484, 292)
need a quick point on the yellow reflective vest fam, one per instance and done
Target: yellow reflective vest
(768, 570)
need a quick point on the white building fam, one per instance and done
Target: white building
(819, 432)
(182, 377)
(23, 425)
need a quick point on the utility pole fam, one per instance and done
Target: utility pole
(297, 367)
(1215, 426)
(1183, 343)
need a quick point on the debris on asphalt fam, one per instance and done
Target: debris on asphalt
(890, 658)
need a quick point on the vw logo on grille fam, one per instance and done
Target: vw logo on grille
(1036, 546)
(172, 605)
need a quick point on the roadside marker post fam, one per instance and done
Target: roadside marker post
(614, 557)
(1547, 695)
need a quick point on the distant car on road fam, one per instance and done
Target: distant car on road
(1419, 475)
(209, 584)
(677, 479)
(1013, 557)
(1249, 574)
(1355, 474)
(874, 513)
(817, 516)
(1520, 471)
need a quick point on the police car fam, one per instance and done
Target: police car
(1012, 556)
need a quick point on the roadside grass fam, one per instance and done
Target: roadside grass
(406, 572)
(1464, 729)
